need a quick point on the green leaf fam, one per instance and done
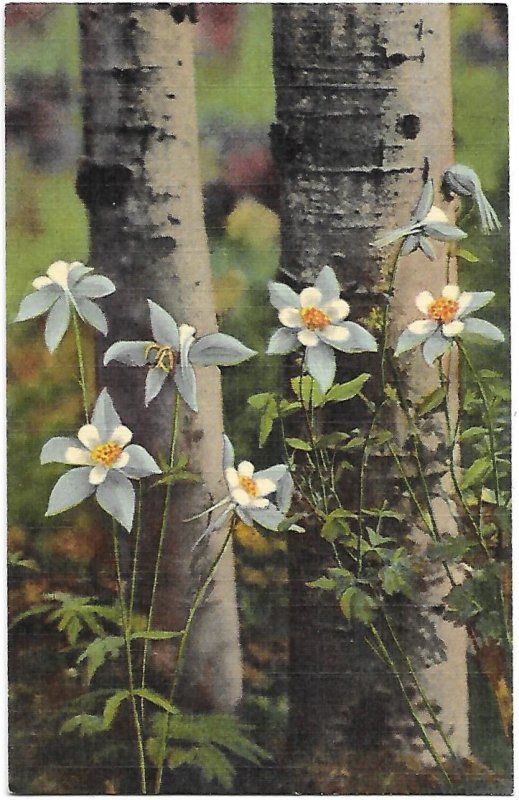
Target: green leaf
(332, 439)
(268, 416)
(466, 255)
(33, 611)
(215, 765)
(335, 526)
(178, 756)
(473, 433)
(322, 583)
(298, 444)
(431, 401)
(357, 604)
(156, 635)
(98, 651)
(88, 724)
(156, 699)
(260, 401)
(17, 560)
(451, 548)
(112, 707)
(356, 441)
(345, 391)
(476, 473)
(307, 387)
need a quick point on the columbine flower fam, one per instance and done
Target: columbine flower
(426, 221)
(65, 285)
(463, 181)
(262, 497)
(447, 318)
(175, 351)
(107, 461)
(315, 319)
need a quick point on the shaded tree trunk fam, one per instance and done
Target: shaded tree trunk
(139, 179)
(363, 103)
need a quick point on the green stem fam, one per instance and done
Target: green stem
(162, 536)
(393, 269)
(312, 441)
(362, 481)
(127, 641)
(491, 434)
(138, 534)
(419, 724)
(81, 362)
(197, 600)
(420, 688)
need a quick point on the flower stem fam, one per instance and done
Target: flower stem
(127, 641)
(138, 535)
(393, 269)
(197, 600)
(81, 362)
(312, 441)
(162, 535)
(383, 652)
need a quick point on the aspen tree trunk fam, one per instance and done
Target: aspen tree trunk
(140, 181)
(363, 100)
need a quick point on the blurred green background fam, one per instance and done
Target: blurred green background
(46, 221)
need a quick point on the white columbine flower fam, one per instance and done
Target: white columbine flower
(315, 319)
(447, 317)
(427, 221)
(262, 497)
(63, 286)
(175, 351)
(462, 180)
(105, 461)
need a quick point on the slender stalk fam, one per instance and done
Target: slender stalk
(127, 641)
(162, 536)
(420, 688)
(138, 534)
(312, 440)
(419, 724)
(491, 434)
(362, 481)
(392, 272)
(81, 362)
(197, 600)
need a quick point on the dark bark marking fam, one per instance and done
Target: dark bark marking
(182, 11)
(102, 184)
(408, 125)
(173, 220)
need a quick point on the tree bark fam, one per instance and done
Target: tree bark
(363, 104)
(140, 181)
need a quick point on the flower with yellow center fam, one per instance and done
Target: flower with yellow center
(245, 489)
(105, 462)
(316, 319)
(446, 317)
(64, 286)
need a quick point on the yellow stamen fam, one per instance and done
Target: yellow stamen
(165, 358)
(249, 485)
(443, 310)
(314, 318)
(106, 453)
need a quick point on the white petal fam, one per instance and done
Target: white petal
(435, 215)
(121, 435)
(451, 292)
(89, 436)
(311, 296)
(308, 338)
(423, 301)
(41, 282)
(75, 455)
(245, 469)
(97, 474)
(453, 328)
(259, 502)
(121, 461)
(464, 300)
(290, 318)
(231, 476)
(264, 486)
(420, 326)
(336, 310)
(335, 333)
(58, 272)
(186, 335)
(241, 497)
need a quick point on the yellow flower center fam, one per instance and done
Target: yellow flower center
(165, 358)
(106, 453)
(314, 318)
(443, 310)
(249, 485)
